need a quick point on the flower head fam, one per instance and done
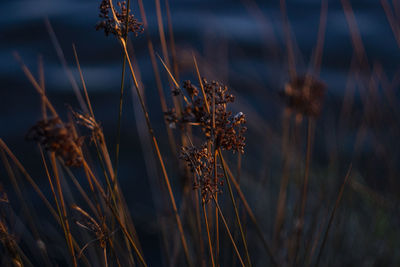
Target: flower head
(201, 163)
(304, 95)
(58, 137)
(216, 121)
(117, 25)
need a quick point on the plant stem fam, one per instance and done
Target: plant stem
(208, 233)
(67, 230)
(305, 186)
(235, 207)
(121, 96)
(155, 143)
(228, 231)
(339, 197)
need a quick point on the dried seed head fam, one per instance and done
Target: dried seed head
(117, 27)
(201, 163)
(190, 89)
(87, 222)
(305, 95)
(88, 122)
(58, 137)
(228, 131)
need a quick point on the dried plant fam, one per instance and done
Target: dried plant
(9, 244)
(117, 27)
(58, 137)
(201, 163)
(87, 121)
(89, 223)
(304, 95)
(222, 131)
(227, 130)
(218, 125)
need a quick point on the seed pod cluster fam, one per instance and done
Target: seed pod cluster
(117, 27)
(58, 137)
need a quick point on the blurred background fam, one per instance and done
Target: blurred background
(256, 48)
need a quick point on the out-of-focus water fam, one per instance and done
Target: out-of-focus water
(196, 24)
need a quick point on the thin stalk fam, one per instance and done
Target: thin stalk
(339, 197)
(104, 149)
(64, 63)
(317, 56)
(89, 105)
(208, 234)
(305, 186)
(157, 77)
(201, 84)
(121, 95)
(16, 185)
(26, 174)
(173, 79)
(250, 213)
(61, 221)
(289, 41)
(199, 231)
(215, 174)
(42, 84)
(114, 191)
(216, 213)
(27, 209)
(155, 143)
(82, 191)
(235, 207)
(161, 32)
(242, 210)
(172, 40)
(113, 249)
(91, 113)
(281, 203)
(109, 186)
(355, 35)
(35, 84)
(82, 81)
(315, 242)
(164, 48)
(11, 248)
(228, 231)
(37, 190)
(115, 213)
(52, 187)
(105, 257)
(67, 230)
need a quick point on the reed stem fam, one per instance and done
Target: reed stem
(235, 207)
(155, 143)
